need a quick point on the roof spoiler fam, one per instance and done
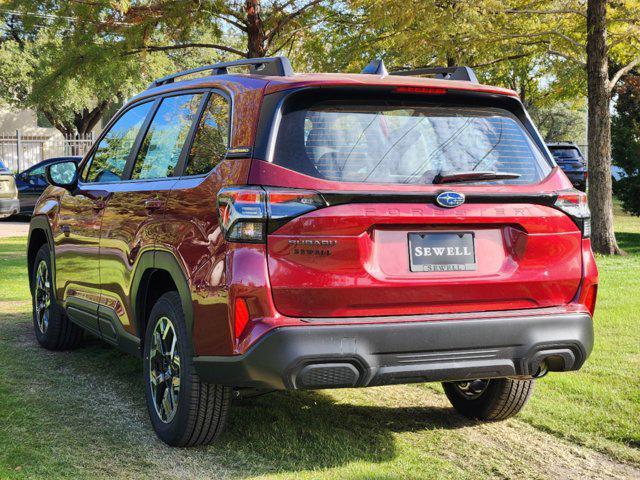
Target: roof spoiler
(465, 74)
(266, 66)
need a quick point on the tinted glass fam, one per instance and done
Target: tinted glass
(565, 153)
(404, 143)
(212, 137)
(110, 157)
(36, 177)
(163, 142)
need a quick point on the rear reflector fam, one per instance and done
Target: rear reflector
(241, 316)
(422, 90)
(590, 299)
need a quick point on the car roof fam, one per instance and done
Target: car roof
(271, 84)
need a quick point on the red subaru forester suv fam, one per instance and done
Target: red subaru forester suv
(268, 230)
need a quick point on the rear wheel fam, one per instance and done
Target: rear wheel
(53, 329)
(184, 411)
(492, 399)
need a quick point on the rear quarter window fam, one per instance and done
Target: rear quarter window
(404, 143)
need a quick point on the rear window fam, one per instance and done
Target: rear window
(397, 142)
(570, 153)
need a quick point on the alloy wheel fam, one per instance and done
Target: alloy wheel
(42, 296)
(164, 369)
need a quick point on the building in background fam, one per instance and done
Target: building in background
(27, 138)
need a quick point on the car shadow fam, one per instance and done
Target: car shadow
(277, 432)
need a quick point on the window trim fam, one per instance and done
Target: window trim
(190, 139)
(86, 163)
(156, 100)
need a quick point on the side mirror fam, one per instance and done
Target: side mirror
(63, 174)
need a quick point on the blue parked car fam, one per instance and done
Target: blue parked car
(32, 182)
(570, 159)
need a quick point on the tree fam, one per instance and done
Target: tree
(264, 27)
(591, 39)
(625, 132)
(625, 128)
(66, 72)
(71, 60)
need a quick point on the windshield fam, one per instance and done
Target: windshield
(405, 143)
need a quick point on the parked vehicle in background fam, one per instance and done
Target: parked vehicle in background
(32, 182)
(9, 204)
(570, 159)
(353, 230)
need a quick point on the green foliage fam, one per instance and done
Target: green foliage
(625, 139)
(625, 126)
(562, 121)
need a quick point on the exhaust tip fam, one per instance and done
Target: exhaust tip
(541, 371)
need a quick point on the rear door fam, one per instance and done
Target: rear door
(391, 239)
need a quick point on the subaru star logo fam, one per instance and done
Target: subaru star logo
(450, 199)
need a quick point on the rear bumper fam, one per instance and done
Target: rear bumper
(9, 206)
(331, 356)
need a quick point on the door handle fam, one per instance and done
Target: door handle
(153, 204)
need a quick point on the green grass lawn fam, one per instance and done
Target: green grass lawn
(82, 414)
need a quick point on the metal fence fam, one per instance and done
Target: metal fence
(19, 151)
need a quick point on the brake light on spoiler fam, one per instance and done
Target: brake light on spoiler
(248, 213)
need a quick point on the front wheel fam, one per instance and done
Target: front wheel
(54, 331)
(183, 410)
(491, 399)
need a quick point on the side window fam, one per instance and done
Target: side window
(163, 142)
(36, 177)
(110, 157)
(212, 137)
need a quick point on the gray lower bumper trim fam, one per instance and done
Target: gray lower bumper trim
(322, 356)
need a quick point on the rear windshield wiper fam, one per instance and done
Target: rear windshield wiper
(460, 177)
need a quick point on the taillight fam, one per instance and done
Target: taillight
(248, 213)
(574, 203)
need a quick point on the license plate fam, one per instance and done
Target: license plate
(442, 251)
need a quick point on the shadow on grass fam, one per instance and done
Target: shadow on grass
(278, 432)
(629, 242)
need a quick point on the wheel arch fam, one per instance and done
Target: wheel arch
(40, 234)
(158, 272)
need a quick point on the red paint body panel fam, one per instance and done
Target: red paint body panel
(530, 257)
(367, 272)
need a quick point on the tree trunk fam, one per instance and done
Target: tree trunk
(603, 238)
(256, 39)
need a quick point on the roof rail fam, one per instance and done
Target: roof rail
(268, 66)
(446, 73)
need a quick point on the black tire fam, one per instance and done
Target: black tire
(54, 331)
(500, 398)
(200, 412)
